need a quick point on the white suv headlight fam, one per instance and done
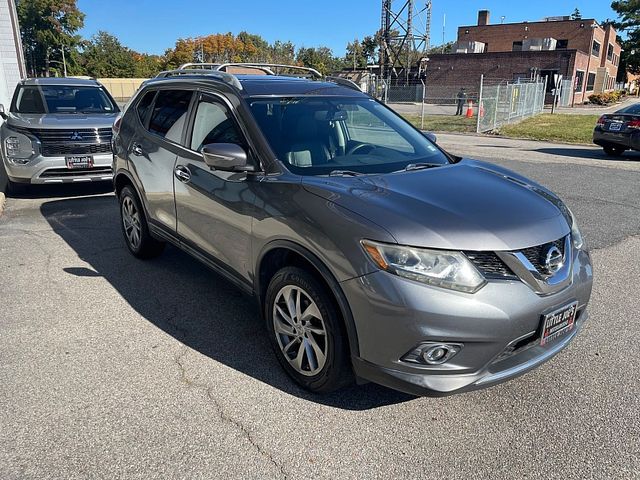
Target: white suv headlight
(439, 268)
(18, 149)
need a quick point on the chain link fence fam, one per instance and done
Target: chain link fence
(507, 103)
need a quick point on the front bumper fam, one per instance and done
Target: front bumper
(43, 170)
(393, 315)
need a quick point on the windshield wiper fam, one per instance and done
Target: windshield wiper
(420, 166)
(343, 173)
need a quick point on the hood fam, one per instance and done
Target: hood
(469, 205)
(62, 120)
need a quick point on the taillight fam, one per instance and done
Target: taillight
(634, 124)
(116, 125)
(601, 120)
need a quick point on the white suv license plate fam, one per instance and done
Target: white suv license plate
(79, 161)
(558, 323)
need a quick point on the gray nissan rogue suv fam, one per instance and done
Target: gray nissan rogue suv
(372, 253)
(58, 130)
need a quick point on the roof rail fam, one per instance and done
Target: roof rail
(345, 82)
(218, 70)
(203, 66)
(269, 67)
(224, 76)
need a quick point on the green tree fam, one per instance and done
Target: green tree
(48, 26)
(355, 57)
(576, 15)
(320, 58)
(283, 52)
(105, 56)
(370, 48)
(628, 21)
(146, 66)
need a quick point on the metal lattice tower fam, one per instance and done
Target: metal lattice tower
(404, 36)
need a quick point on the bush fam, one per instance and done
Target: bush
(607, 98)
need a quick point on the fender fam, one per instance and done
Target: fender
(327, 276)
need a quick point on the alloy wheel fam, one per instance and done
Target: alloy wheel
(300, 330)
(131, 222)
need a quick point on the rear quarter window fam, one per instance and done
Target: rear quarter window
(170, 114)
(144, 106)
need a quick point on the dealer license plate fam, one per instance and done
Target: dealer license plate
(79, 161)
(558, 323)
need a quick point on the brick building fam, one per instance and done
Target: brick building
(578, 49)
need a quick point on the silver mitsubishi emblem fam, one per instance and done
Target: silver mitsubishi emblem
(75, 136)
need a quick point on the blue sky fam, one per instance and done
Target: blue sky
(152, 26)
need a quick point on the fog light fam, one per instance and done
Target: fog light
(432, 353)
(435, 354)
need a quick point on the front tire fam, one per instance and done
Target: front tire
(614, 151)
(135, 228)
(14, 188)
(306, 331)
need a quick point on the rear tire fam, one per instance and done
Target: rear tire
(614, 151)
(306, 331)
(135, 228)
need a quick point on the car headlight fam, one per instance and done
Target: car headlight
(439, 268)
(576, 235)
(18, 149)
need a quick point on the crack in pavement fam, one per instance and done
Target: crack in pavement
(221, 413)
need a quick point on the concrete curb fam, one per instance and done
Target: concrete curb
(2, 201)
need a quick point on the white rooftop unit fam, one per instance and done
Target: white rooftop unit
(538, 44)
(469, 47)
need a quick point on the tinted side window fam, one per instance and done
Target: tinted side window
(144, 106)
(170, 113)
(214, 124)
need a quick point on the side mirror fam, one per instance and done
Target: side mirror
(430, 136)
(2, 112)
(227, 157)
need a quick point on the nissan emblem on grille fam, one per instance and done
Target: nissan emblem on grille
(553, 260)
(76, 136)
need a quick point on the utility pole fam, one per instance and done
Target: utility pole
(64, 62)
(444, 23)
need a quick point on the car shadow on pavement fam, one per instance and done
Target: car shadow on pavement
(589, 153)
(62, 190)
(187, 300)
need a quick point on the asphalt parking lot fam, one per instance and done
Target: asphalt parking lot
(112, 367)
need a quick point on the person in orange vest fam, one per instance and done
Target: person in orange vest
(462, 99)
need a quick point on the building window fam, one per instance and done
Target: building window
(517, 46)
(595, 49)
(591, 81)
(562, 44)
(610, 53)
(579, 80)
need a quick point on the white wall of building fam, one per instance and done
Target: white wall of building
(11, 61)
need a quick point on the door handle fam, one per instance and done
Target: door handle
(182, 173)
(137, 150)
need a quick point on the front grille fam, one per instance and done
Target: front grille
(56, 149)
(77, 172)
(490, 265)
(72, 141)
(537, 255)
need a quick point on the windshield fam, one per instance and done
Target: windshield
(40, 99)
(321, 135)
